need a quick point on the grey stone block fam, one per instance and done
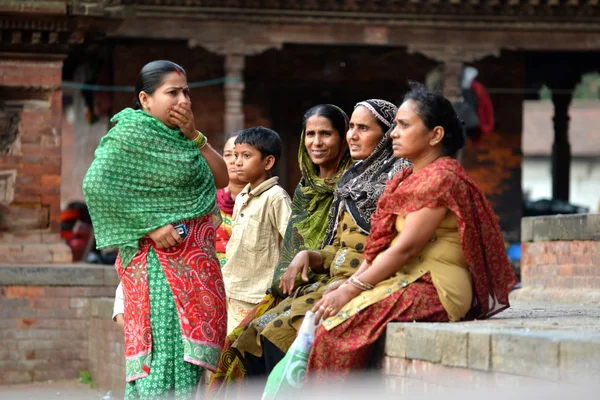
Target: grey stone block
(561, 227)
(453, 346)
(479, 350)
(527, 229)
(534, 354)
(395, 340)
(580, 361)
(55, 275)
(421, 343)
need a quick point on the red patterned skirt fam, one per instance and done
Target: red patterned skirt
(348, 346)
(193, 274)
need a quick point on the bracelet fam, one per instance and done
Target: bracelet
(357, 283)
(200, 140)
(351, 282)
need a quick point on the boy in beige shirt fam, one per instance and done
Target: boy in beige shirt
(260, 217)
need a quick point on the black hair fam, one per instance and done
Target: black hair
(337, 117)
(266, 140)
(152, 76)
(232, 135)
(436, 110)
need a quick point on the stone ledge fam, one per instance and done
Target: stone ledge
(585, 296)
(76, 274)
(536, 340)
(561, 227)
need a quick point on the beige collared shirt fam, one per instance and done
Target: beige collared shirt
(259, 220)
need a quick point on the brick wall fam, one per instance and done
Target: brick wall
(105, 348)
(560, 258)
(29, 224)
(45, 320)
(561, 264)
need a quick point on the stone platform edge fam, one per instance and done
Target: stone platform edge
(560, 356)
(70, 274)
(561, 227)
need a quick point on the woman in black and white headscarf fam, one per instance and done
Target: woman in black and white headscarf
(267, 338)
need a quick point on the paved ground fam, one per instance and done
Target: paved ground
(580, 319)
(63, 390)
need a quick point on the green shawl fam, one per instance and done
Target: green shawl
(310, 208)
(144, 176)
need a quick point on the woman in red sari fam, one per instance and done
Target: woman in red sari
(435, 252)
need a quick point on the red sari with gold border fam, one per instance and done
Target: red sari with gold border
(443, 183)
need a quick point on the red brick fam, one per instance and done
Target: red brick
(51, 180)
(51, 160)
(418, 369)
(548, 258)
(547, 270)
(27, 323)
(565, 269)
(80, 291)
(535, 248)
(559, 247)
(394, 365)
(583, 259)
(25, 291)
(28, 237)
(581, 247)
(40, 168)
(14, 377)
(54, 303)
(28, 198)
(50, 237)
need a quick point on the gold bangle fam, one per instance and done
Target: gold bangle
(200, 140)
(360, 284)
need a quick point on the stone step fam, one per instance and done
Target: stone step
(529, 342)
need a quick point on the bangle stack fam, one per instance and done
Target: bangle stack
(357, 283)
(200, 140)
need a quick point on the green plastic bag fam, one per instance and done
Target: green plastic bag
(288, 375)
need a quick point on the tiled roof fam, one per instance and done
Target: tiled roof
(584, 128)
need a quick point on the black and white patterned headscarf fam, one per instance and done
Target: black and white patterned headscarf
(384, 111)
(362, 184)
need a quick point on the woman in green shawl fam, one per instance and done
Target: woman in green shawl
(151, 193)
(323, 157)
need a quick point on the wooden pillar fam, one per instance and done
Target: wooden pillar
(452, 72)
(453, 57)
(234, 92)
(561, 149)
(235, 49)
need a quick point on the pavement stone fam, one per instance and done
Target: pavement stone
(60, 390)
